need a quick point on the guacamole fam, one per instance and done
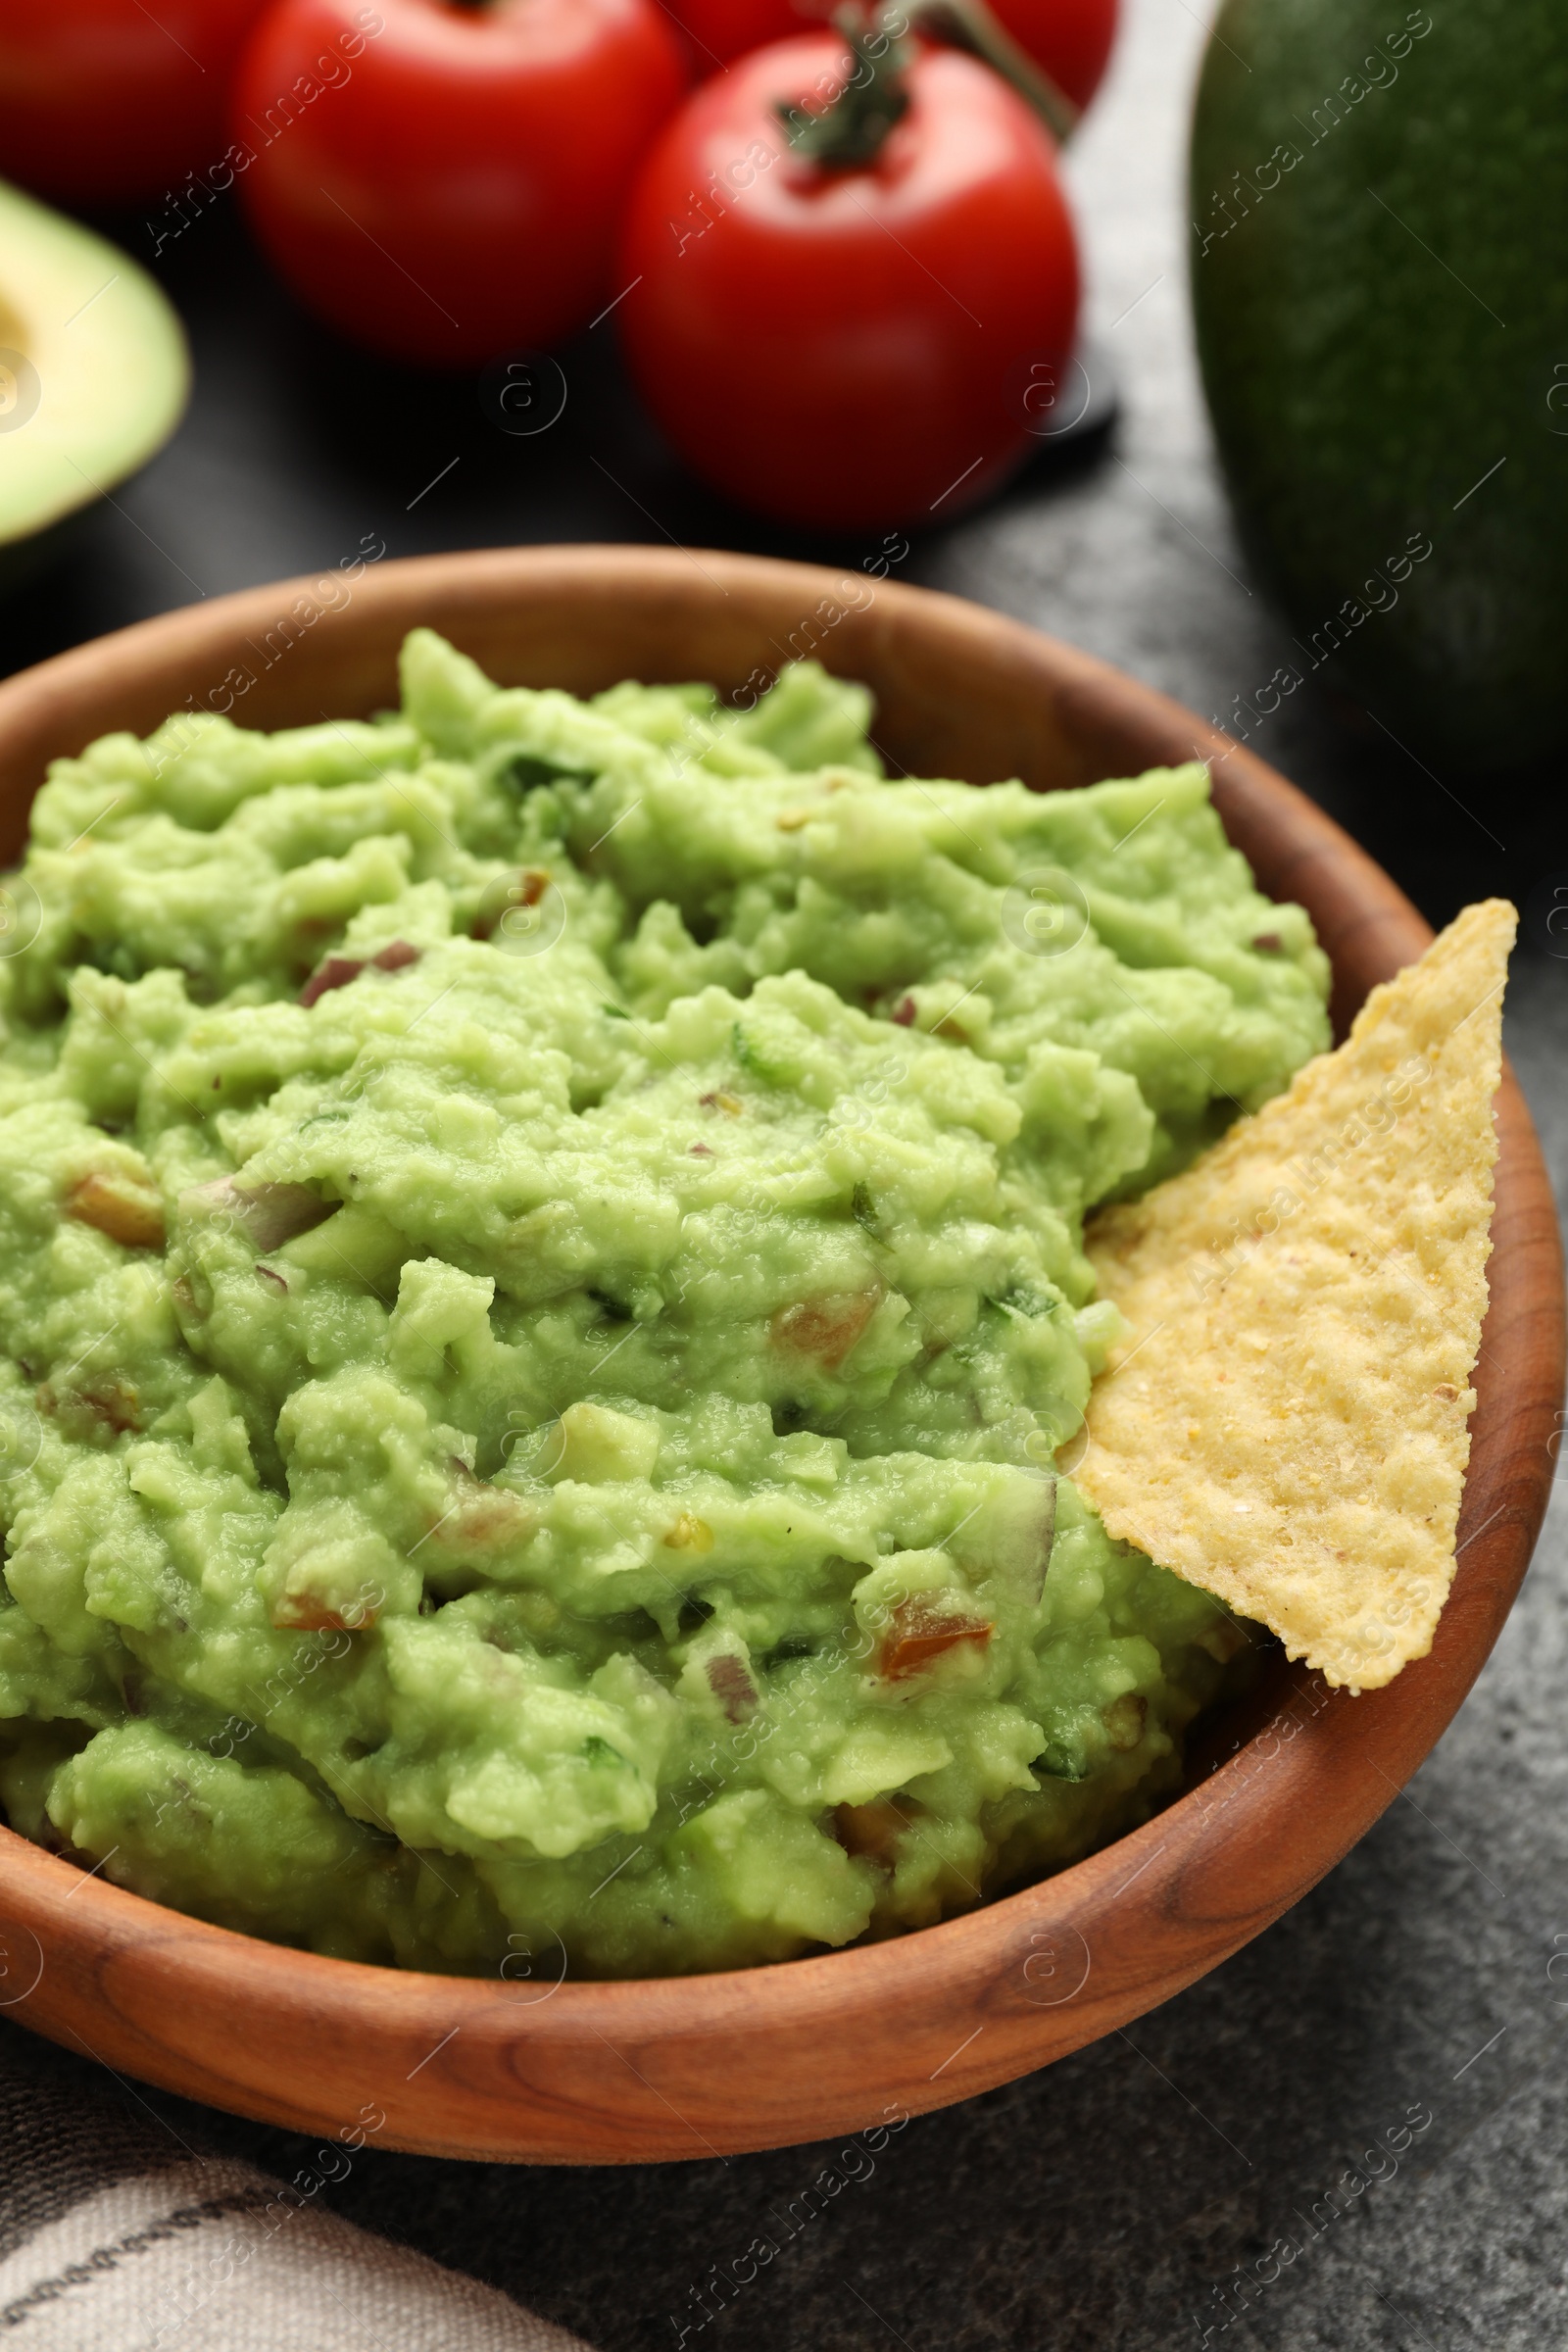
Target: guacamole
(541, 1289)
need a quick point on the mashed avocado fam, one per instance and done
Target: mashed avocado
(541, 1287)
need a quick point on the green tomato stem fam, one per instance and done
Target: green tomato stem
(848, 133)
(971, 24)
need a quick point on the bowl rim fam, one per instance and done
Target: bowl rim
(632, 2070)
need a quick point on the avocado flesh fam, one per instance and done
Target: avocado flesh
(105, 371)
(1370, 357)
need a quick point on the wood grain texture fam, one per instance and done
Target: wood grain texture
(689, 2068)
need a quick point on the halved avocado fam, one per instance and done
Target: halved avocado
(94, 371)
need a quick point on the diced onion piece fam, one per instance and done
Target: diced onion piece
(268, 1214)
(732, 1685)
(1022, 1534)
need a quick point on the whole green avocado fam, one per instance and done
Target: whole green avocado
(1380, 284)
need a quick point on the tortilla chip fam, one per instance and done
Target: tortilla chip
(1287, 1423)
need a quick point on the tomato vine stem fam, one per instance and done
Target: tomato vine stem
(973, 26)
(848, 133)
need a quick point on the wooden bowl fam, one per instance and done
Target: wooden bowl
(695, 2066)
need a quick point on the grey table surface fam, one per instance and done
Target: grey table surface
(1208, 2176)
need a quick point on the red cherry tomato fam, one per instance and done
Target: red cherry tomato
(719, 29)
(458, 187)
(106, 102)
(848, 347)
(1070, 38)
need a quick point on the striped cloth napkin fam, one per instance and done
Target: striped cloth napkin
(111, 2241)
